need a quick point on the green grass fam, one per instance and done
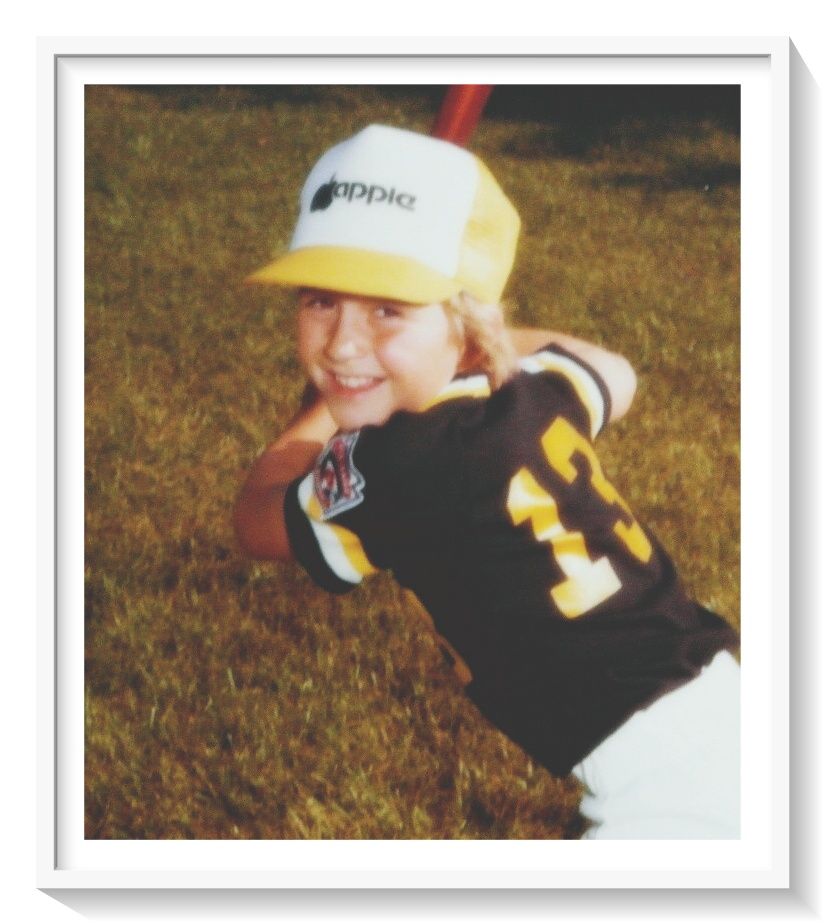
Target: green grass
(227, 699)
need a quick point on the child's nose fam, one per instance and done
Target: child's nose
(348, 337)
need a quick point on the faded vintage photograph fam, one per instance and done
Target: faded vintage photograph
(412, 462)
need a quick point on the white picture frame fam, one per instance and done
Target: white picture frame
(760, 859)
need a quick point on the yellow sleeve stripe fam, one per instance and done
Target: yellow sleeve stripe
(476, 386)
(586, 388)
(341, 548)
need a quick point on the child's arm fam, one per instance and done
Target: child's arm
(259, 510)
(616, 371)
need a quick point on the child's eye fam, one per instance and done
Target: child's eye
(317, 301)
(387, 312)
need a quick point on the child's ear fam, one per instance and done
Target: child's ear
(470, 357)
(469, 348)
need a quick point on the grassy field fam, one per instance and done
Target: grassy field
(227, 699)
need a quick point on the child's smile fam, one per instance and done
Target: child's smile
(352, 384)
(371, 357)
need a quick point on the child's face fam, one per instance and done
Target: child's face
(370, 357)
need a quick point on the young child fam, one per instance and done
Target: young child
(459, 455)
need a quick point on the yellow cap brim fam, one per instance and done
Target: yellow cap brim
(360, 272)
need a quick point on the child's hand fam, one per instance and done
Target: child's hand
(259, 514)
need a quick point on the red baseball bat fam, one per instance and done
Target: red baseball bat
(460, 112)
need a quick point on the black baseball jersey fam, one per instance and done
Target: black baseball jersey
(494, 510)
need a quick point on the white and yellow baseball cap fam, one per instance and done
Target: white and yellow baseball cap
(391, 213)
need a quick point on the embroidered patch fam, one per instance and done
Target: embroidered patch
(339, 486)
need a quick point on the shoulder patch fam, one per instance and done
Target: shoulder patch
(339, 486)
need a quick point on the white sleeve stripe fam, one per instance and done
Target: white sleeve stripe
(341, 548)
(586, 388)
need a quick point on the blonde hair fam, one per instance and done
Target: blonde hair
(488, 345)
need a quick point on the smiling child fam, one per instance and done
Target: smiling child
(458, 454)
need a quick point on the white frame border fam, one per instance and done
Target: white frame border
(480, 871)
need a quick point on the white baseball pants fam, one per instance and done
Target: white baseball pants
(672, 770)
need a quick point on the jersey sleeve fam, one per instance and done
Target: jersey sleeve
(331, 553)
(587, 386)
(371, 491)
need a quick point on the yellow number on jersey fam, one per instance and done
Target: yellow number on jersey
(560, 442)
(587, 582)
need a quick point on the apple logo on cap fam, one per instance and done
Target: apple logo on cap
(323, 196)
